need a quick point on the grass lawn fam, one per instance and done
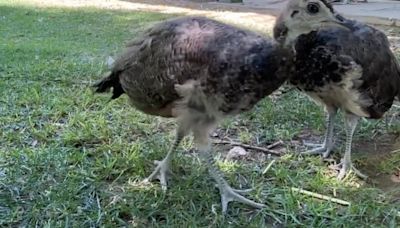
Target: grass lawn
(70, 158)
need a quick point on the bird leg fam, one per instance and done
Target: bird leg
(228, 194)
(326, 147)
(346, 165)
(162, 170)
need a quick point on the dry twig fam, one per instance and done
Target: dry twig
(268, 166)
(265, 150)
(395, 151)
(320, 196)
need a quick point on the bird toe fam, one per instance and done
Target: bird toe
(229, 194)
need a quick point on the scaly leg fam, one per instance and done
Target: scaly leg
(346, 165)
(228, 194)
(162, 170)
(327, 146)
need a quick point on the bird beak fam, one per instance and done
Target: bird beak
(280, 31)
(339, 18)
(336, 20)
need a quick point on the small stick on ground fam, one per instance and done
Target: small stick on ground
(263, 149)
(268, 166)
(323, 197)
(395, 151)
(275, 144)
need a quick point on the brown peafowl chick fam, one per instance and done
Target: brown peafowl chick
(198, 71)
(341, 64)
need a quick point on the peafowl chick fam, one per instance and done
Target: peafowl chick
(198, 71)
(341, 64)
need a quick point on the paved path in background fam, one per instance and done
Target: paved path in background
(379, 11)
(382, 12)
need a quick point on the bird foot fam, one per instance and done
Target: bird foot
(161, 172)
(318, 149)
(346, 168)
(229, 194)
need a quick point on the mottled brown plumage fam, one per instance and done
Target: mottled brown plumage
(341, 64)
(199, 71)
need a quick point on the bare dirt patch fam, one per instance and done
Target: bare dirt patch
(378, 162)
(377, 157)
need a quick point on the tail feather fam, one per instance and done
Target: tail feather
(110, 81)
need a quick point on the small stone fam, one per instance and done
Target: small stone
(34, 143)
(236, 152)
(395, 178)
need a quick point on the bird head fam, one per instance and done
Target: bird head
(304, 16)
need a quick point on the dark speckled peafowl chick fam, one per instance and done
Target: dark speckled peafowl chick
(198, 71)
(341, 64)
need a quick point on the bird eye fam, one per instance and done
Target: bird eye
(313, 8)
